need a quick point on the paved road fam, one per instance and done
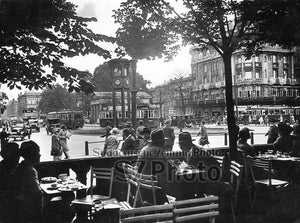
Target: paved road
(77, 141)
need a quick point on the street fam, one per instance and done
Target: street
(77, 141)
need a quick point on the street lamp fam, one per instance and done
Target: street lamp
(120, 76)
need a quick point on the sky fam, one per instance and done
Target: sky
(157, 71)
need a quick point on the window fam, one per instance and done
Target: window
(275, 73)
(284, 59)
(256, 59)
(285, 73)
(248, 75)
(248, 94)
(205, 68)
(239, 59)
(257, 93)
(274, 58)
(257, 74)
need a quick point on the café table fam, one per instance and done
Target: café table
(286, 167)
(62, 190)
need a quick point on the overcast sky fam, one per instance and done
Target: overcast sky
(156, 71)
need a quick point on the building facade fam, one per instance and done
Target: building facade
(270, 78)
(264, 79)
(28, 103)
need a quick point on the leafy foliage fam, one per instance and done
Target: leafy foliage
(142, 34)
(35, 35)
(275, 22)
(57, 99)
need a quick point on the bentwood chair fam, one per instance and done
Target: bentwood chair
(140, 182)
(263, 165)
(221, 161)
(195, 209)
(155, 213)
(236, 171)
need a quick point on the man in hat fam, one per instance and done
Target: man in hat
(242, 145)
(144, 138)
(151, 161)
(170, 136)
(129, 145)
(131, 129)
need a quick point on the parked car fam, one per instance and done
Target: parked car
(20, 131)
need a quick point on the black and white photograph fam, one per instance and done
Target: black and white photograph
(147, 111)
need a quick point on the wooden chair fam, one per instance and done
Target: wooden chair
(236, 171)
(221, 161)
(196, 208)
(155, 213)
(139, 182)
(264, 165)
(96, 173)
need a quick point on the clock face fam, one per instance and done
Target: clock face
(117, 82)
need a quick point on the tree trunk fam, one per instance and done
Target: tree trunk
(182, 101)
(230, 105)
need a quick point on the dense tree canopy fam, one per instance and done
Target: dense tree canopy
(35, 35)
(57, 99)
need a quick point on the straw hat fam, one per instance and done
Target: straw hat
(185, 137)
(114, 131)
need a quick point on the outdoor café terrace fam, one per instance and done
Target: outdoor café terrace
(281, 206)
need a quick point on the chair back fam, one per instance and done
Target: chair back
(155, 213)
(197, 208)
(260, 164)
(139, 181)
(221, 161)
(104, 174)
(236, 172)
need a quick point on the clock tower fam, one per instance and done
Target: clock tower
(120, 82)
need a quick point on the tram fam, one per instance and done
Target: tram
(72, 119)
(150, 117)
(273, 113)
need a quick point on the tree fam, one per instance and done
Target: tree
(275, 22)
(141, 36)
(57, 99)
(36, 35)
(179, 87)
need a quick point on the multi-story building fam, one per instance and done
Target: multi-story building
(174, 97)
(28, 105)
(264, 79)
(270, 78)
(11, 109)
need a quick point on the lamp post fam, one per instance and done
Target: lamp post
(133, 91)
(120, 76)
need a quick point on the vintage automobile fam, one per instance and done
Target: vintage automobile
(20, 131)
(34, 125)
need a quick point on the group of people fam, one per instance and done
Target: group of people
(59, 143)
(20, 192)
(285, 139)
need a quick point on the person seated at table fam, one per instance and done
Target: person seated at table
(242, 144)
(151, 161)
(29, 191)
(284, 142)
(144, 138)
(8, 167)
(129, 145)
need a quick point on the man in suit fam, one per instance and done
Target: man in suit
(129, 145)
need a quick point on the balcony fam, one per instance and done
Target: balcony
(255, 100)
